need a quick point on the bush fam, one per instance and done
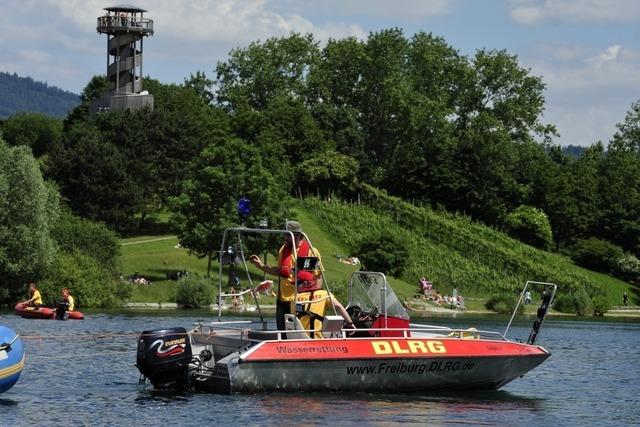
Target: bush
(385, 253)
(94, 239)
(598, 255)
(194, 292)
(90, 284)
(578, 303)
(600, 305)
(531, 226)
(503, 303)
(628, 268)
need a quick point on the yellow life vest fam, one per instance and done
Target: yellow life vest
(310, 309)
(37, 297)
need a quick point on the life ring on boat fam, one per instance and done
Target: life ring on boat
(11, 358)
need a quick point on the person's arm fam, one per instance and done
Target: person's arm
(343, 312)
(255, 260)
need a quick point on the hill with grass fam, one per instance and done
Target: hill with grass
(451, 250)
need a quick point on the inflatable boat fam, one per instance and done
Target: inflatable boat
(11, 358)
(46, 313)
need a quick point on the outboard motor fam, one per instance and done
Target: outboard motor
(164, 356)
(61, 310)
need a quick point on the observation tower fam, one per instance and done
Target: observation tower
(125, 28)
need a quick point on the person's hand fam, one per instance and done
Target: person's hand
(349, 325)
(255, 260)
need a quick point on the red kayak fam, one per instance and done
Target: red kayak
(44, 313)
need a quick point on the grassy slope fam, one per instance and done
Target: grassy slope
(155, 256)
(451, 251)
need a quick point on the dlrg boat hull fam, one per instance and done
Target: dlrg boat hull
(380, 365)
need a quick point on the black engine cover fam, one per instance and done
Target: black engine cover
(163, 357)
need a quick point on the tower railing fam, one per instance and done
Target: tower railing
(110, 24)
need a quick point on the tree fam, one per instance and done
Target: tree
(225, 172)
(95, 240)
(201, 85)
(97, 86)
(28, 210)
(383, 106)
(620, 185)
(334, 92)
(330, 171)
(33, 130)
(255, 75)
(94, 176)
(530, 225)
(385, 253)
(510, 94)
(115, 165)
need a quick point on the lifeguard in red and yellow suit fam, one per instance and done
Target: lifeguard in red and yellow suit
(285, 303)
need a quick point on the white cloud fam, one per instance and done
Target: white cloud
(527, 15)
(587, 89)
(608, 55)
(586, 124)
(409, 9)
(34, 56)
(533, 12)
(190, 35)
(214, 21)
(611, 68)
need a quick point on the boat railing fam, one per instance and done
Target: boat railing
(240, 326)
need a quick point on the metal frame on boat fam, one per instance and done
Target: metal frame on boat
(385, 353)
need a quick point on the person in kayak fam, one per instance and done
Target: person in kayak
(285, 302)
(36, 298)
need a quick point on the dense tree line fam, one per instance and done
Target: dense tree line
(430, 125)
(409, 115)
(42, 241)
(23, 94)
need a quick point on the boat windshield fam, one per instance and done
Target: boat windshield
(369, 290)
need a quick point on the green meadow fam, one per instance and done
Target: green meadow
(450, 250)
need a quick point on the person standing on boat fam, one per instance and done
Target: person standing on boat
(285, 302)
(36, 298)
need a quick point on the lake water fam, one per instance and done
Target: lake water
(82, 373)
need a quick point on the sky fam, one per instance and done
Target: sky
(586, 51)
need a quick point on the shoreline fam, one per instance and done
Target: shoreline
(421, 312)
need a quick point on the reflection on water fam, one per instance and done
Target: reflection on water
(7, 402)
(371, 409)
(84, 371)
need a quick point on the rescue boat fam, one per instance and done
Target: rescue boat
(28, 312)
(385, 353)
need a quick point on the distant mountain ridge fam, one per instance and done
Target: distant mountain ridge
(575, 151)
(23, 94)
